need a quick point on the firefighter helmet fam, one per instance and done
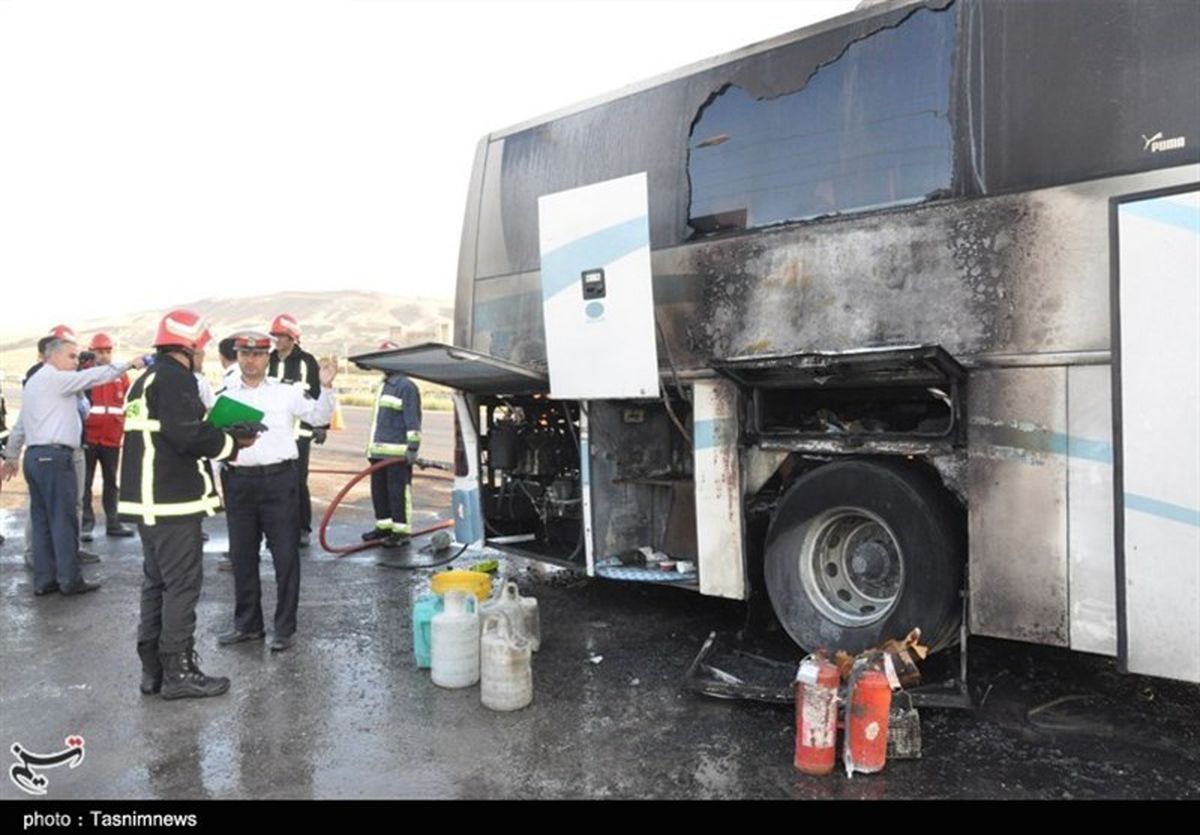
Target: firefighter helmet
(387, 345)
(184, 329)
(62, 332)
(100, 342)
(285, 324)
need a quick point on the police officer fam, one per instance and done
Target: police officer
(292, 364)
(261, 488)
(395, 435)
(166, 489)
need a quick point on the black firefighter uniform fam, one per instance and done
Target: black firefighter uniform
(395, 433)
(166, 487)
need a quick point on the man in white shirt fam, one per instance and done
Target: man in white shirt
(227, 354)
(53, 431)
(262, 484)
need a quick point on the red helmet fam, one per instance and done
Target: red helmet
(204, 339)
(62, 332)
(387, 345)
(285, 324)
(101, 341)
(184, 329)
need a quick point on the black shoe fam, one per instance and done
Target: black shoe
(83, 588)
(85, 536)
(237, 636)
(152, 670)
(281, 642)
(88, 557)
(119, 531)
(50, 589)
(305, 539)
(375, 533)
(183, 678)
(204, 536)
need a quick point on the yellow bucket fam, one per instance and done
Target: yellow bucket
(472, 582)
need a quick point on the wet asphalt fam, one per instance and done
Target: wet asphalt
(346, 714)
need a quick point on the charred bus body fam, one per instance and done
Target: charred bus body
(922, 277)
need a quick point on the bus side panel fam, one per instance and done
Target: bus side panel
(1158, 371)
(468, 514)
(719, 534)
(1017, 490)
(1090, 489)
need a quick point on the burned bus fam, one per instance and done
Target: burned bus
(892, 314)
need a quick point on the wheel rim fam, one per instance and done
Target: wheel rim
(852, 566)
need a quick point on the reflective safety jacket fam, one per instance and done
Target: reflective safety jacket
(105, 422)
(396, 420)
(164, 477)
(300, 368)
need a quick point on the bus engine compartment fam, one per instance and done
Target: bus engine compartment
(532, 480)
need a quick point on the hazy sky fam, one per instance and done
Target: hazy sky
(156, 152)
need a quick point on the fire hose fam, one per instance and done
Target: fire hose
(342, 551)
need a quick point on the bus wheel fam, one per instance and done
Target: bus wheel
(862, 551)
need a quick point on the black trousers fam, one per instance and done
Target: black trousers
(172, 573)
(53, 490)
(304, 447)
(391, 497)
(262, 502)
(107, 457)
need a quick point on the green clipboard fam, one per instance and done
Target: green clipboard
(227, 412)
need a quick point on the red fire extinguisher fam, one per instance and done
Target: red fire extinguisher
(816, 715)
(867, 722)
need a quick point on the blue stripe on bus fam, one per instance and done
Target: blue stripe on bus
(1058, 443)
(1041, 440)
(1101, 451)
(561, 268)
(715, 432)
(1166, 211)
(704, 434)
(1163, 510)
(585, 462)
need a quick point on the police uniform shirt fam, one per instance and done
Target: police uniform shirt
(281, 404)
(206, 392)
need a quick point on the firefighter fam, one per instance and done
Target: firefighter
(102, 433)
(395, 434)
(261, 490)
(167, 490)
(289, 363)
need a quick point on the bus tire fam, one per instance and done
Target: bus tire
(861, 551)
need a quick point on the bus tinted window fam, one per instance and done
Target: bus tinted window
(869, 129)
